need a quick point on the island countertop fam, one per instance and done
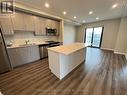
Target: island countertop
(68, 49)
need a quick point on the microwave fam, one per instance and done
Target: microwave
(51, 32)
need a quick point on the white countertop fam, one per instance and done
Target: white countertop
(29, 45)
(20, 46)
(68, 49)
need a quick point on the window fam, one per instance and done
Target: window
(94, 36)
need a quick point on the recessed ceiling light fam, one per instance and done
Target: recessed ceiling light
(91, 12)
(75, 17)
(64, 12)
(83, 21)
(97, 18)
(114, 6)
(47, 5)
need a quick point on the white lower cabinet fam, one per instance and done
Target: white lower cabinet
(23, 55)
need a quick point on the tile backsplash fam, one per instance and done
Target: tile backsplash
(20, 36)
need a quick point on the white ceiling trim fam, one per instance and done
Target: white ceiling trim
(31, 9)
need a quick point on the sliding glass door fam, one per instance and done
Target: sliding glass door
(93, 36)
(89, 36)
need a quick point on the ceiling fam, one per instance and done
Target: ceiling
(80, 8)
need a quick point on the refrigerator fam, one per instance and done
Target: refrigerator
(5, 64)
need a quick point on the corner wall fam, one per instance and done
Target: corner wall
(121, 42)
(111, 29)
(69, 34)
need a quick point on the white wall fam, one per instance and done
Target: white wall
(80, 33)
(121, 44)
(20, 36)
(69, 35)
(111, 28)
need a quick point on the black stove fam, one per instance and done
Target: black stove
(52, 42)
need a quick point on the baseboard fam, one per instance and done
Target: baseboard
(107, 49)
(120, 53)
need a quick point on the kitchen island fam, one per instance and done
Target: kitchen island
(63, 59)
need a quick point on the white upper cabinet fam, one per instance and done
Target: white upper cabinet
(43, 26)
(40, 26)
(55, 25)
(48, 23)
(18, 21)
(29, 22)
(42, 23)
(22, 21)
(26, 22)
(52, 24)
(6, 24)
(37, 26)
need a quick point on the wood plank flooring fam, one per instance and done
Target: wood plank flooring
(103, 73)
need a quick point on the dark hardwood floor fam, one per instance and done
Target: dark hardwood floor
(103, 73)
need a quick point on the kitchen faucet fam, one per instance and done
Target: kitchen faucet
(27, 41)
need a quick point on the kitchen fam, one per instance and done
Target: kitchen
(59, 47)
(28, 38)
(28, 35)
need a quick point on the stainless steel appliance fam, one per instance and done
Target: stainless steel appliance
(43, 48)
(4, 58)
(43, 51)
(51, 32)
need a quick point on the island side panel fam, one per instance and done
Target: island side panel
(54, 64)
(71, 61)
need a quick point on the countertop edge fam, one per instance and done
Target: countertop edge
(66, 53)
(82, 45)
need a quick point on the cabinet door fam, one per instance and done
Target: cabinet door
(18, 56)
(34, 53)
(15, 57)
(23, 55)
(18, 21)
(6, 24)
(43, 26)
(29, 22)
(37, 26)
(52, 24)
(58, 27)
(55, 25)
(48, 23)
(40, 26)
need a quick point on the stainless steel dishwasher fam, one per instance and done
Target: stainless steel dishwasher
(43, 51)
(43, 48)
